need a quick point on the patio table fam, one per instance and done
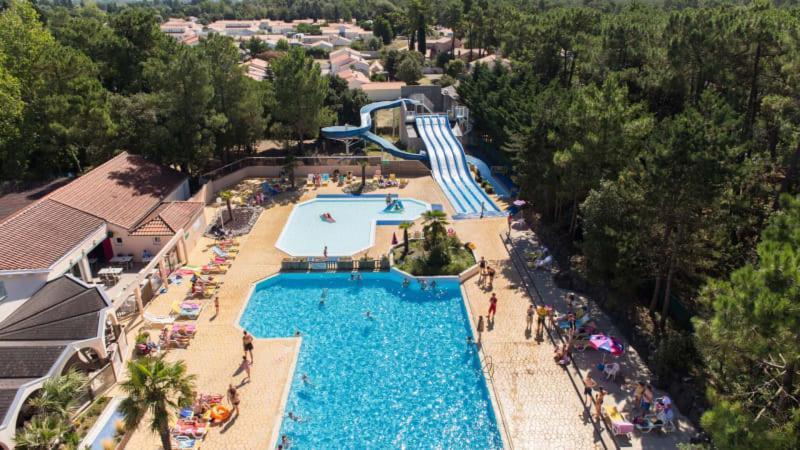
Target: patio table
(110, 273)
(122, 260)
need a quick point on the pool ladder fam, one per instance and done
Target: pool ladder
(488, 367)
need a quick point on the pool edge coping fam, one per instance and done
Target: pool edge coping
(296, 341)
(505, 435)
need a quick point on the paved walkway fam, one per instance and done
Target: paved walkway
(521, 241)
(540, 403)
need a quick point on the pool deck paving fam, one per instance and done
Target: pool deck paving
(540, 403)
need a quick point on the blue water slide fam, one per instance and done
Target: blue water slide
(462, 167)
(449, 168)
(444, 153)
(363, 130)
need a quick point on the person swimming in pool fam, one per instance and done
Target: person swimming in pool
(406, 282)
(326, 216)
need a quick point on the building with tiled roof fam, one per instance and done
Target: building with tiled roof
(65, 325)
(123, 190)
(127, 208)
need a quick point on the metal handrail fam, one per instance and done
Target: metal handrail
(524, 273)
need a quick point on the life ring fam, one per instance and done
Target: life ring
(220, 413)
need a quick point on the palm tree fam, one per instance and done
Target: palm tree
(158, 387)
(53, 407)
(434, 223)
(290, 163)
(43, 431)
(227, 196)
(59, 395)
(363, 163)
(405, 226)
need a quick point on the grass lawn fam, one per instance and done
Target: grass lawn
(415, 262)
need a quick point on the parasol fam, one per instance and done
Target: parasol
(607, 344)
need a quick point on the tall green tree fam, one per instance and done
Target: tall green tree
(300, 90)
(184, 96)
(749, 343)
(237, 98)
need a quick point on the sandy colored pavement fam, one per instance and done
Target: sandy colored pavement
(540, 404)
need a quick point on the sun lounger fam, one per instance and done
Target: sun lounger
(619, 425)
(310, 180)
(191, 428)
(214, 269)
(403, 182)
(183, 442)
(564, 324)
(185, 329)
(653, 422)
(228, 253)
(158, 320)
(184, 310)
(325, 179)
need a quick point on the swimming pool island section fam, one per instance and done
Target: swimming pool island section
(345, 224)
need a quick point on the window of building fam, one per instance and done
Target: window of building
(157, 240)
(119, 241)
(3, 293)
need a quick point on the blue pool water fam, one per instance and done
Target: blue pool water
(306, 234)
(404, 379)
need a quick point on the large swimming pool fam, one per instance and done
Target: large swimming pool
(402, 378)
(353, 228)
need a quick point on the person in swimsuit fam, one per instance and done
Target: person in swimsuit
(233, 397)
(529, 318)
(589, 384)
(492, 307)
(490, 272)
(482, 265)
(245, 366)
(541, 313)
(247, 342)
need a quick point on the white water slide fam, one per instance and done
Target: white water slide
(450, 170)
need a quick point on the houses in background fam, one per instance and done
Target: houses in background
(330, 35)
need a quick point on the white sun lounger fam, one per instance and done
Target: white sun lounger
(158, 320)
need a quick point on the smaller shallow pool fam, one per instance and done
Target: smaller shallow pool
(352, 230)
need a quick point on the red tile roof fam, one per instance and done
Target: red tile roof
(168, 218)
(122, 191)
(38, 236)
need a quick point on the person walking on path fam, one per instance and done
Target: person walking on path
(510, 221)
(588, 385)
(492, 307)
(325, 252)
(247, 343)
(490, 272)
(541, 314)
(529, 318)
(480, 328)
(245, 366)
(598, 403)
(216, 305)
(233, 398)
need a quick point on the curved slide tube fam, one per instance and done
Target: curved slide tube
(449, 168)
(363, 130)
